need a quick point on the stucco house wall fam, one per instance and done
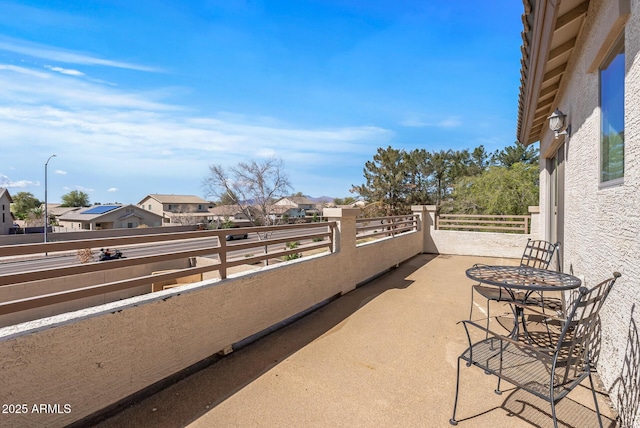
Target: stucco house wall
(6, 220)
(119, 218)
(601, 225)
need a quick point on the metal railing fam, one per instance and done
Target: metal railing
(312, 236)
(483, 223)
(385, 226)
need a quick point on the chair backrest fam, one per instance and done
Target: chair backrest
(579, 329)
(538, 254)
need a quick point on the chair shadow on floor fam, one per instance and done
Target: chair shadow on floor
(535, 411)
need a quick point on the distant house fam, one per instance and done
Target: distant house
(6, 217)
(293, 207)
(300, 202)
(99, 217)
(232, 213)
(54, 211)
(182, 209)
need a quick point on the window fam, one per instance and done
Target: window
(612, 114)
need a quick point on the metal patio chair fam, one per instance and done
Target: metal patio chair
(537, 254)
(551, 370)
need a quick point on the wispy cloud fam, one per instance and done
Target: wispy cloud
(80, 188)
(7, 182)
(60, 172)
(60, 55)
(66, 71)
(426, 121)
(105, 134)
(24, 85)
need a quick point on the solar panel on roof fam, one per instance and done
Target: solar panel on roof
(100, 209)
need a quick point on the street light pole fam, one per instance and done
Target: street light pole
(46, 214)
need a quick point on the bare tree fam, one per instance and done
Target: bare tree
(252, 186)
(185, 216)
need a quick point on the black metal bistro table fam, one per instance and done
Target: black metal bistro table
(523, 279)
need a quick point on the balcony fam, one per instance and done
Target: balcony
(314, 342)
(382, 355)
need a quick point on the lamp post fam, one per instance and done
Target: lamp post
(46, 214)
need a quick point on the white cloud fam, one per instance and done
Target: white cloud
(112, 189)
(84, 189)
(6, 182)
(25, 86)
(60, 172)
(55, 54)
(104, 134)
(265, 153)
(421, 121)
(67, 71)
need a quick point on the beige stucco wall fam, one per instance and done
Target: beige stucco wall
(92, 358)
(602, 225)
(485, 244)
(6, 221)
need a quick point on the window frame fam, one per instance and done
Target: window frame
(617, 48)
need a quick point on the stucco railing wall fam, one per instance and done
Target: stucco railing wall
(484, 244)
(93, 358)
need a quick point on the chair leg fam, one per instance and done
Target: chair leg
(471, 308)
(453, 420)
(595, 400)
(486, 334)
(553, 413)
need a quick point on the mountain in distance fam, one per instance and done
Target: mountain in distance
(320, 200)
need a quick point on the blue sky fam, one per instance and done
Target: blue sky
(139, 97)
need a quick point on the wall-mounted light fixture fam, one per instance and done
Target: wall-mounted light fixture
(556, 123)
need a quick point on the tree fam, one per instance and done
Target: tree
(499, 190)
(385, 181)
(518, 152)
(23, 203)
(252, 186)
(348, 200)
(417, 165)
(75, 198)
(440, 165)
(35, 218)
(227, 199)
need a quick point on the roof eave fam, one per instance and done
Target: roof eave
(539, 39)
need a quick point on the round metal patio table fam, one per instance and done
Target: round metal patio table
(522, 279)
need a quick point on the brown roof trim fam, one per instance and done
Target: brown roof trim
(550, 33)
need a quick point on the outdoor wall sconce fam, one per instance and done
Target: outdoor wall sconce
(556, 123)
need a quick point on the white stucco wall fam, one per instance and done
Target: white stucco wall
(602, 226)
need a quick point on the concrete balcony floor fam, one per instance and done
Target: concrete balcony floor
(383, 355)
